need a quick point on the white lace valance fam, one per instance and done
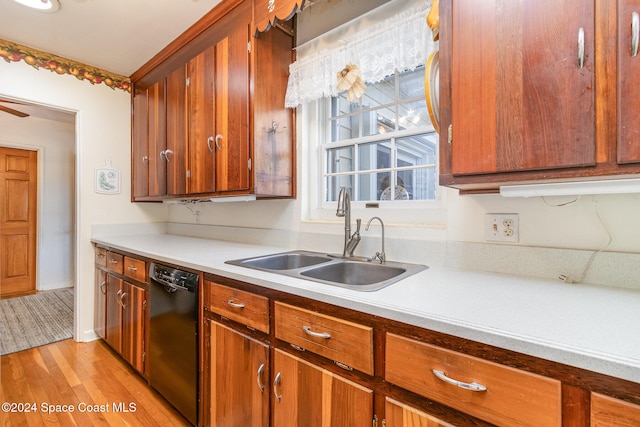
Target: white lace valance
(399, 43)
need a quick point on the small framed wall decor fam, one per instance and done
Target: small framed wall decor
(107, 180)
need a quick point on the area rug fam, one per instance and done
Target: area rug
(35, 320)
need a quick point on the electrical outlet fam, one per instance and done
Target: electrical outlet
(502, 228)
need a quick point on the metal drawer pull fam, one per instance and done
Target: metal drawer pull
(260, 372)
(635, 33)
(100, 256)
(308, 331)
(235, 304)
(276, 383)
(474, 386)
(133, 268)
(580, 48)
(113, 261)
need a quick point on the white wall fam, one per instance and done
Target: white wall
(55, 143)
(103, 132)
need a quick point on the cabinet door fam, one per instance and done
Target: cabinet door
(238, 390)
(100, 313)
(232, 110)
(133, 301)
(157, 139)
(201, 104)
(306, 395)
(176, 153)
(520, 99)
(400, 415)
(628, 77)
(114, 313)
(139, 148)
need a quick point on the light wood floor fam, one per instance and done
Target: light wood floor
(82, 376)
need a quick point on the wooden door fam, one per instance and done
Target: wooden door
(238, 379)
(113, 329)
(520, 100)
(177, 136)
(133, 301)
(232, 111)
(628, 77)
(157, 139)
(139, 146)
(400, 415)
(100, 313)
(201, 104)
(306, 395)
(18, 221)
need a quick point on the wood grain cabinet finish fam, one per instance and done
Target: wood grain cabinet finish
(610, 412)
(240, 306)
(135, 269)
(398, 414)
(100, 296)
(237, 391)
(339, 340)
(510, 396)
(101, 257)
(628, 93)
(115, 262)
(306, 395)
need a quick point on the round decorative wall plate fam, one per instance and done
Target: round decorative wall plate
(432, 88)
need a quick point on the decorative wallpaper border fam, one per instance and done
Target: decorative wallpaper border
(13, 52)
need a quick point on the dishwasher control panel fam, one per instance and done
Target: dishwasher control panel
(173, 276)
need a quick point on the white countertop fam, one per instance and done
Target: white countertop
(595, 328)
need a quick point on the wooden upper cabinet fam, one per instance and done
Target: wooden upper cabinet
(139, 146)
(628, 93)
(157, 139)
(177, 136)
(520, 98)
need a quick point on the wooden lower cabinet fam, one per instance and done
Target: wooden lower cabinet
(236, 389)
(307, 396)
(610, 412)
(100, 295)
(398, 414)
(125, 306)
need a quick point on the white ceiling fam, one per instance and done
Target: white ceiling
(115, 35)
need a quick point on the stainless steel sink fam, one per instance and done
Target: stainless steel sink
(285, 261)
(359, 274)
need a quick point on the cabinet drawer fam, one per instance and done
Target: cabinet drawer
(240, 306)
(339, 340)
(135, 268)
(115, 262)
(101, 257)
(512, 396)
(609, 412)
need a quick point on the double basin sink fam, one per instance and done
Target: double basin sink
(353, 273)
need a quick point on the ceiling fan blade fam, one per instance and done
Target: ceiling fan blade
(12, 111)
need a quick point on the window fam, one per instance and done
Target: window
(382, 147)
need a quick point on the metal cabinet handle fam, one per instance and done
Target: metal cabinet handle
(122, 297)
(308, 331)
(132, 268)
(580, 48)
(209, 141)
(113, 261)
(635, 33)
(103, 287)
(276, 383)
(218, 138)
(474, 386)
(166, 154)
(145, 160)
(260, 372)
(163, 158)
(119, 295)
(235, 304)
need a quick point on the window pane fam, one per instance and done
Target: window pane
(340, 159)
(417, 150)
(333, 186)
(345, 128)
(413, 114)
(381, 93)
(376, 155)
(380, 121)
(416, 184)
(370, 186)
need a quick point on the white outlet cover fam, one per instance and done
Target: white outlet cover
(502, 228)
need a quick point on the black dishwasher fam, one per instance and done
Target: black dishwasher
(173, 345)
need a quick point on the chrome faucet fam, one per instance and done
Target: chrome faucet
(344, 210)
(380, 256)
